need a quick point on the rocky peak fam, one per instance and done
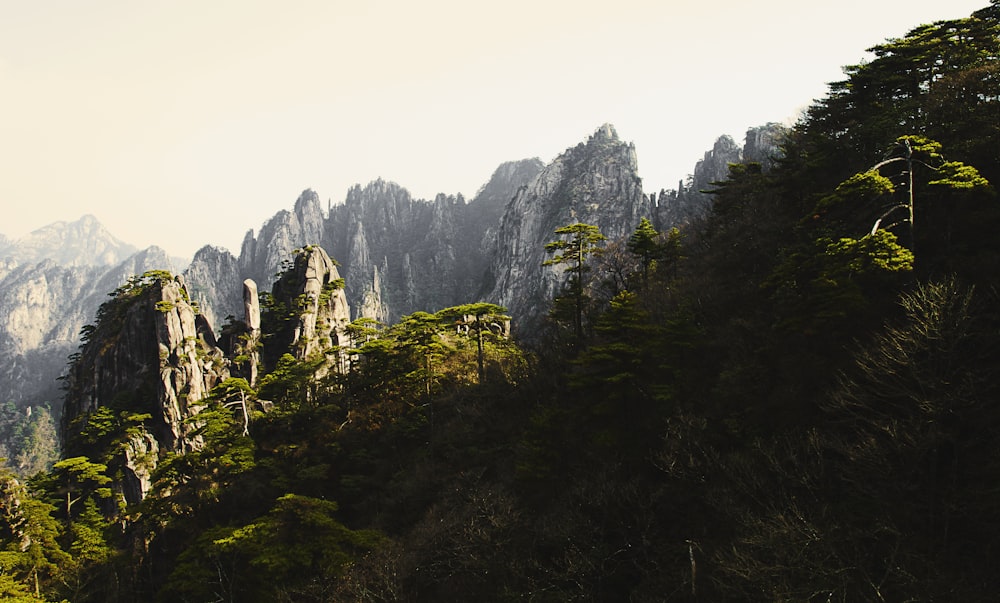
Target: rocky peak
(690, 202)
(149, 352)
(85, 242)
(714, 166)
(213, 280)
(595, 182)
(310, 312)
(310, 217)
(763, 144)
(603, 135)
(262, 256)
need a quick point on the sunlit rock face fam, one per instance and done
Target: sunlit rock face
(214, 282)
(595, 182)
(148, 353)
(215, 276)
(309, 312)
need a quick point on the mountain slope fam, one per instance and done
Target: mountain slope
(596, 182)
(85, 242)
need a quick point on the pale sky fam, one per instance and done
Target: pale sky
(188, 122)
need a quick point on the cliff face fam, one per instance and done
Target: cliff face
(690, 201)
(398, 254)
(596, 183)
(149, 353)
(43, 306)
(215, 283)
(310, 310)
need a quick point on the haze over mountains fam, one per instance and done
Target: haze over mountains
(789, 393)
(398, 254)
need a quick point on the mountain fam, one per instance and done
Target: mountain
(43, 307)
(148, 352)
(51, 283)
(595, 182)
(85, 242)
(690, 201)
(398, 254)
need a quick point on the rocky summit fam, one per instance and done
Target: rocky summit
(151, 354)
(595, 182)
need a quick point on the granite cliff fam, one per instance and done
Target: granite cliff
(398, 254)
(595, 182)
(43, 306)
(149, 362)
(149, 353)
(690, 201)
(308, 310)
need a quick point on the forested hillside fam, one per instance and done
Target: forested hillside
(791, 399)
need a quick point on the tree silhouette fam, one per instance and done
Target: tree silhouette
(572, 254)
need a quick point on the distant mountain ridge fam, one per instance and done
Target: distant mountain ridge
(398, 254)
(51, 282)
(84, 242)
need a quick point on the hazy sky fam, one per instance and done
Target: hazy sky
(189, 122)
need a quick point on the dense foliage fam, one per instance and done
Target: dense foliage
(792, 400)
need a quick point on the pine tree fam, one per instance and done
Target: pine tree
(572, 254)
(644, 244)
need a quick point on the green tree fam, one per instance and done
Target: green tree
(291, 383)
(572, 253)
(482, 319)
(917, 150)
(645, 244)
(235, 392)
(32, 561)
(418, 336)
(74, 480)
(296, 551)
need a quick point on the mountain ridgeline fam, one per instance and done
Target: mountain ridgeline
(397, 254)
(400, 255)
(776, 383)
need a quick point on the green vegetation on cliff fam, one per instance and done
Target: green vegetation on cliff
(793, 399)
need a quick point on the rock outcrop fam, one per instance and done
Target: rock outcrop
(149, 353)
(214, 282)
(691, 201)
(310, 312)
(597, 183)
(152, 357)
(43, 306)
